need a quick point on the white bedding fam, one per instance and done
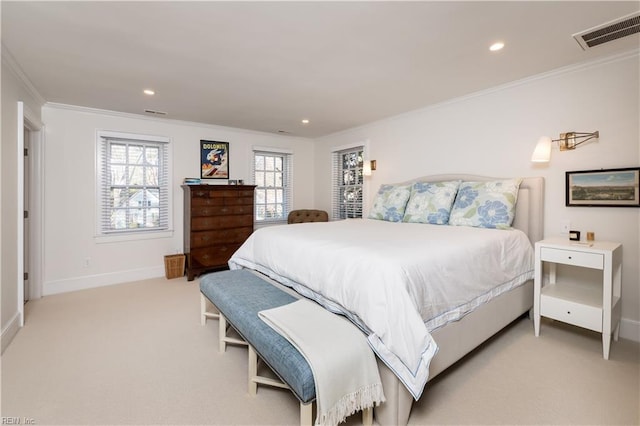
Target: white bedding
(398, 281)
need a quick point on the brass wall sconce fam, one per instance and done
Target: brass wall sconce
(566, 142)
(368, 167)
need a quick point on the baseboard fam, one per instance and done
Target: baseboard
(630, 329)
(10, 331)
(100, 280)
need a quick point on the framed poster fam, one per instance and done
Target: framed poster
(605, 188)
(214, 160)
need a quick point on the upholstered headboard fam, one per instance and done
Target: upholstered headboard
(307, 215)
(529, 216)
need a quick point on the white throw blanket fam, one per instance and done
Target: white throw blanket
(343, 365)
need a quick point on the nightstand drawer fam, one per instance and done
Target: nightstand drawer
(570, 257)
(585, 316)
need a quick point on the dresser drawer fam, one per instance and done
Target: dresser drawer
(585, 316)
(220, 210)
(209, 238)
(244, 201)
(206, 223)
(570, 257)
(213, 256)
(214, 193)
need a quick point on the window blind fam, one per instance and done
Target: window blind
(272, 175)
(347, 183)
(133, 183)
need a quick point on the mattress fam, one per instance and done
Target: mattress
(396, 281)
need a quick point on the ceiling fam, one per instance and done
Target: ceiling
(265, 66)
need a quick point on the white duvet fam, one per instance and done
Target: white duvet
(398, 281)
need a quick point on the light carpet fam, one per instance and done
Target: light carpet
(136, 354)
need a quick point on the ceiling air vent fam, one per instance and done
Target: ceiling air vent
(152, 111)
(613, 30)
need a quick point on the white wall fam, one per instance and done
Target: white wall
(14, 89)
(494, 133)
(70, 198)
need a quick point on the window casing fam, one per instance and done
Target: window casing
(272, 177)
(133, 184)
(348, 179)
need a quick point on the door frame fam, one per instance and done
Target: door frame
(27, 119)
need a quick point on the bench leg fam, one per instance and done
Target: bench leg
(306, 414)
(207, 310)
(367, 416)
(253, 371)
(223, 339)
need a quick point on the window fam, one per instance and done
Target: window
(347, 183)
(133, 183)
(272, 177)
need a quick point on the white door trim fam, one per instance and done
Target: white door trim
(26, 118)
(36, 204)
(20, 214)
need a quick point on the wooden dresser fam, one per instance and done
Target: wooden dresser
(217, 220)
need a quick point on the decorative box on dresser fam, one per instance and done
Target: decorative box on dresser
(217, 220)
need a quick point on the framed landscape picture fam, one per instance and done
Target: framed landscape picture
(214, 160)
(605, 188)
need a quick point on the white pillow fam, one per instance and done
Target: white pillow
(431, 202)
(486, 204)
(390, 203)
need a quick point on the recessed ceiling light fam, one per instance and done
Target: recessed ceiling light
(305, 121)
(496, 46)
(149, 92)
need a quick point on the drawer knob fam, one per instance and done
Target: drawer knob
(568, 312)
(569, 257)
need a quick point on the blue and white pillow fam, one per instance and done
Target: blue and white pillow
(486, 204)
(431, 202)
(390, 203)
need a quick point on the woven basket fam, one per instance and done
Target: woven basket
(174, 266)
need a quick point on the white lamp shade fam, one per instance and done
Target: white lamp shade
(366, 168)
(542, 153)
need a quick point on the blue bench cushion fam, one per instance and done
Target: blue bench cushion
(240, 295)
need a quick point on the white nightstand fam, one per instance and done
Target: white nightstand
(594, 308)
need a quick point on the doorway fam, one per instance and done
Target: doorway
(25, 197)
(30, 207)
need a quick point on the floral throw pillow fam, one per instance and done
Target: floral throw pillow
(390, 202)
(486, 204)
(431, 202)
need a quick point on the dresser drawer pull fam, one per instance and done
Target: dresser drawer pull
(569, 257)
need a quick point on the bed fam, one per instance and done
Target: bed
(353, 268)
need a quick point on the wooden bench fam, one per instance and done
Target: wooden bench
(236, 297)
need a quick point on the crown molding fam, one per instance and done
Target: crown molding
(623, 56)
(165, 120)
(16, 70)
